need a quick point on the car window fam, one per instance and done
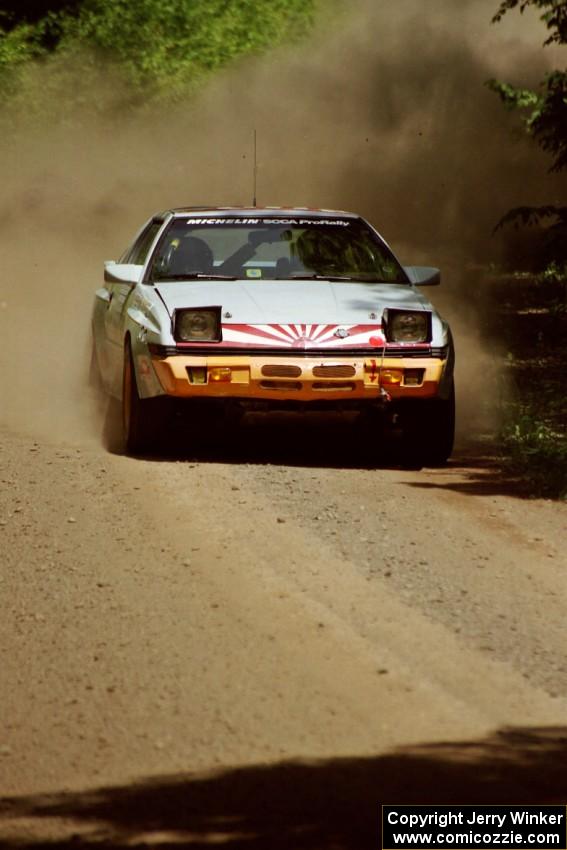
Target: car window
(139, 251)
(283, 249)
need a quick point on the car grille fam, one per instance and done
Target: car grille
(281, 371)
(333, 386)
(335, 371)
(287, 386)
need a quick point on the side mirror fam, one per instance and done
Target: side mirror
(423, 275)
(122, 272)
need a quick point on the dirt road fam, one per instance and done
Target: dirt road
(256, 645)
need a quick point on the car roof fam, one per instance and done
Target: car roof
(260, 212)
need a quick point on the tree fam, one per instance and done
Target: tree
(16, 12)
(546, 109)
(175, 42)
(554, 16)
(160, 46)
(544, 112)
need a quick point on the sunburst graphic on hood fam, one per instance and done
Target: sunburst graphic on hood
(304, 336)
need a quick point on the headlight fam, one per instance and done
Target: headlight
(407, 325)
(202, 325)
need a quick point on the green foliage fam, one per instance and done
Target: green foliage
(531, 320)
(554, 16)
(552, 248)
(546, 118)
(529, 216)
(161, 46)
(552, 285)
(544, 115)
(173, 42)
(537, 454)
(15, 12)
(513, 98)
(18, 46)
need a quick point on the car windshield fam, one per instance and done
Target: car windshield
(273, 249)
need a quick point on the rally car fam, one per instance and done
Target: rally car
(272, 307)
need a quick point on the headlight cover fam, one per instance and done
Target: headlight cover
(410, 326)
(202, 324)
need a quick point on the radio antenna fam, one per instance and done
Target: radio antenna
(255, 169)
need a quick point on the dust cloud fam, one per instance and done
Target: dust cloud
(385, 113)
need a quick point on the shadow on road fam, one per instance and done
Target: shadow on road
(319, 805)
(475, 470)
(334, 442)
(298, 439)
(328, 441)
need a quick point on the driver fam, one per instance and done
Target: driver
(192, 256)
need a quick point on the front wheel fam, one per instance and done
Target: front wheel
(428, 430)
(140, 419)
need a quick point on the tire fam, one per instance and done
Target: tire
(428, 431)
(112, 438)
(140, 417)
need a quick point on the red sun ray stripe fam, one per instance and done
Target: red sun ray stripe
(312, 336)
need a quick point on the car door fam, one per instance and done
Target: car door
(119, 293)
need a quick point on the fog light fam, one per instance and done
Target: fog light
(413, 377)
(391, 376)
(197, 374)
(220, 374)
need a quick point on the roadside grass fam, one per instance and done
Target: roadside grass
(530, 313)
(536, 454)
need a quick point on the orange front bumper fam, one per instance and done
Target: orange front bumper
(298, 378)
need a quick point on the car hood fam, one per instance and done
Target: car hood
(267, 302)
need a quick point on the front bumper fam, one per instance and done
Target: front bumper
(303, 379)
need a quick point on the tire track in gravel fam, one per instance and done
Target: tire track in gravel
(172, 615)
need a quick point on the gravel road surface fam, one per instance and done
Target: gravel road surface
(251, 642)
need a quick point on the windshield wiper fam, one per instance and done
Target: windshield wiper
(335, 277)
(319, 277)
(194, 276)
(376, 280)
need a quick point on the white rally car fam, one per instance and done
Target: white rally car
(272, 307)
